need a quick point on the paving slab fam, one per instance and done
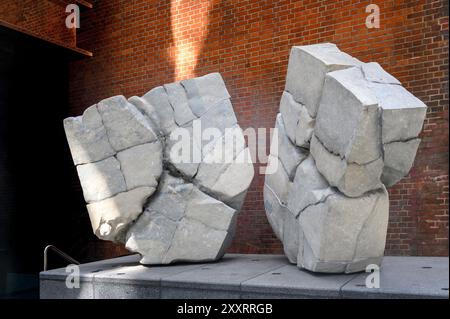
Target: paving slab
(404, 277)
(88, 270)
(289, 281)
(221, 279)
(117, 278)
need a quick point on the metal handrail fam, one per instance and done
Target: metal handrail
(60, 252)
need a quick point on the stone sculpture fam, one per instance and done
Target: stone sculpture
(346, 131)
(137, 190)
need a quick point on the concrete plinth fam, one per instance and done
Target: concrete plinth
(246, 276)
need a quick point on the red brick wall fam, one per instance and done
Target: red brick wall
(45, 18)
(141, 44)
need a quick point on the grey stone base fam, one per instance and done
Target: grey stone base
(246, 276)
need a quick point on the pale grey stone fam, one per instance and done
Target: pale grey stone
(398, 160)
(141, 165)
(307, 68)
(209, 211)
(298, 123)
(226, 148)
(276, 211)
(290, 113)
(373, 72)
(151, 236)
(204, 92)
(233, 183)
(158, 98)
(179, 101)
(290, 156)
(349, 126)
(125, 125)
(171, 197)
(186, 162)
(291, 237)
(101, 179)
(347, 122)
(402, 113)
(231, 231)
(182, 207)
(309, 187)
(343, 230)
(305, 129)
(331, 166)
(87, 137)
(220, 116)
(110, 218)
(350, 178)
(372, 237)
(218, 155)
(277, 179)
(189, 236)
(149, 111)
(361, 178)
(219, 119)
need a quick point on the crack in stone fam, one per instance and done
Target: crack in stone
(406, 140)
(164, 257)
(373, 81)
(136, 120)
(367, 163)
(275, 194)
(355, 165)
(326, 149)
(380, 137)
(363, 225)
(168, 100)
(204, 224)
(294, 98)
(321, 201)
(344, 159)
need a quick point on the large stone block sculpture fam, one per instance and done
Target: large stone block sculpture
(346, 131)
(140, 193)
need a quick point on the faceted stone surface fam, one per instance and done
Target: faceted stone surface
(101, 180)
(87, 137)
(298, 123)
(193, 225)
(205, 92)
(111, 217)
(141, 165)
(289, 154)
(307, 68)
(356, 129)
(125, 125)
(141, 192)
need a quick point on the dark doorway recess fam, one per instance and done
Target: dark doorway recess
(37, 203)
